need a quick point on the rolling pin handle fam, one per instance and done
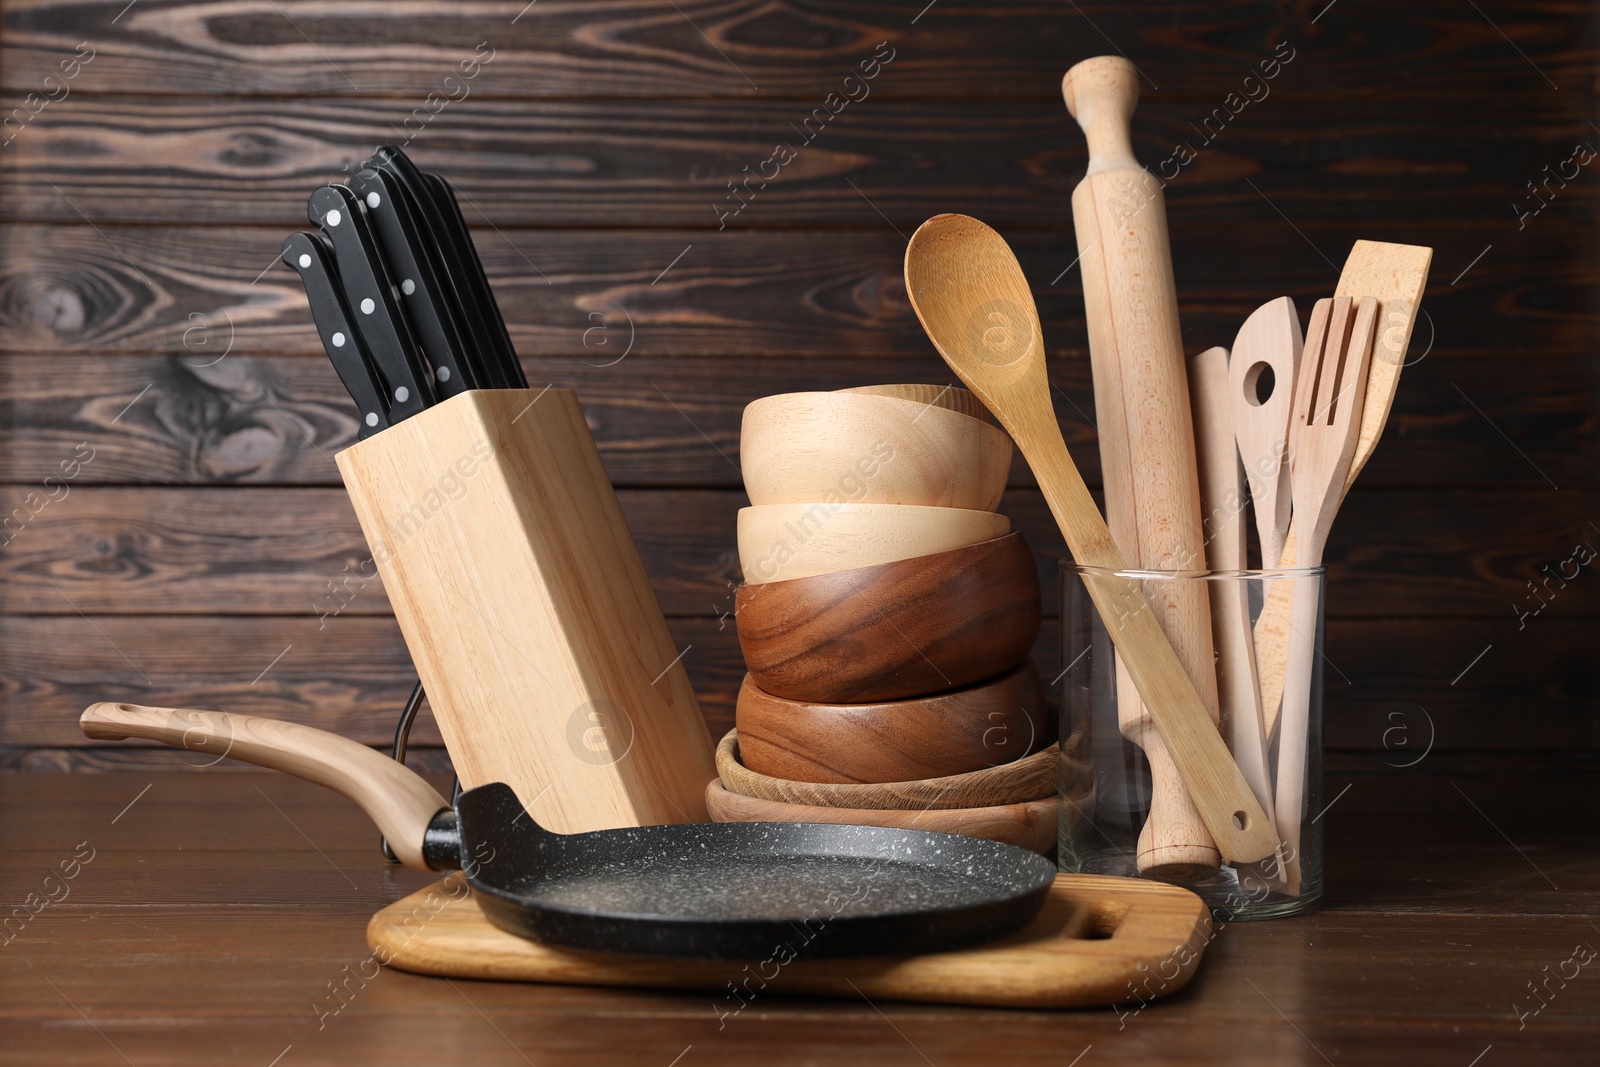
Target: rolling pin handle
(1101, 94)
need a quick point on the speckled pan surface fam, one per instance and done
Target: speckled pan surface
(734, 890)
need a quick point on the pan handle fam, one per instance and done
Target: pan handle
(398, 800)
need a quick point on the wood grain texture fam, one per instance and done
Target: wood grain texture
(1262, 373)
(972, 298)
(968, 729)
(1392, 697)
(1222, 503)
(791, 542)
(154, 946)
(1030, 824)
(1432, 50)
(284, 551)
(900, 629)
(591, 161)
(1019, 781)
(805, 448)
(1395, 276)
(1147, 454)
(826, 292)
(1091, 938)
(276, 420)
(590, 142)
(527, 610)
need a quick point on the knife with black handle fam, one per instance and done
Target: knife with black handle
(510, 368)
(443, 246)
(310, 254)
(373, 299)
(408, 248)
(457, 264)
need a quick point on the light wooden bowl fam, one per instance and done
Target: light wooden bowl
(864, 448)
(983, 725)
(1031, 824)
(781, 542)
(952, 397)
(1028, 778)
(897, 630)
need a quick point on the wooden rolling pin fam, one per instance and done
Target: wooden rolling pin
(1147, 457)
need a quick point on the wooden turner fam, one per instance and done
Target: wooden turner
(972, 298)
(1396, 276)
(1222, 503)
(1323, 437)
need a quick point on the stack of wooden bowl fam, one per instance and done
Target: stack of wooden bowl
(886, 619)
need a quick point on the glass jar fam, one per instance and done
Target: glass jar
(1124, 809)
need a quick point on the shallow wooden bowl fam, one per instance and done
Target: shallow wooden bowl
(945, 396)
(1031, 824)
(782, 542)
(870, 448)
(983, 725)
(1028, 778)
(901, 629)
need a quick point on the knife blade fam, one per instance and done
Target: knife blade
(373, 299)
(410, 252)
(312, 256)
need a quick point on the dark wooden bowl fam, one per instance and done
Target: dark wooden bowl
(902, 629)
(982, 725)
(1029, 778)
(1031, 824)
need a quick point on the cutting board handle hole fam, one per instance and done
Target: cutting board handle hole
(1241, 821)
(1103, 921)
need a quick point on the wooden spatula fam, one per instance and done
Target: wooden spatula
(1261, 376)
(1222, 504)
(1327, 426)
(973, 299)
(1396, 276)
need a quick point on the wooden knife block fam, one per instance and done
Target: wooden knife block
(528, 613)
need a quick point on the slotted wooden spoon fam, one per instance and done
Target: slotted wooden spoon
(973, 300)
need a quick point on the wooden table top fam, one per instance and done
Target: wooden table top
(210, 914)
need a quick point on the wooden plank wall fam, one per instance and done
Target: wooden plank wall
(165, 398)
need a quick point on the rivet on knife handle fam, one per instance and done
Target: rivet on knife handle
(309, 254)
(372, 298)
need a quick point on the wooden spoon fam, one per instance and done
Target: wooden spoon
(1268, 343)
(973, 300)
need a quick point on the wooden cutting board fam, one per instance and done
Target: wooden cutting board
(1097, 941)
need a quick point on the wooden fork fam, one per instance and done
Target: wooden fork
(1322, 442)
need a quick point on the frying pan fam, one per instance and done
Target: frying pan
(701, 890)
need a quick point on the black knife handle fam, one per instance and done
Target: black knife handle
(405, 247)
(372, 298)
(510, 366)
(309, 254)
(456, 263)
